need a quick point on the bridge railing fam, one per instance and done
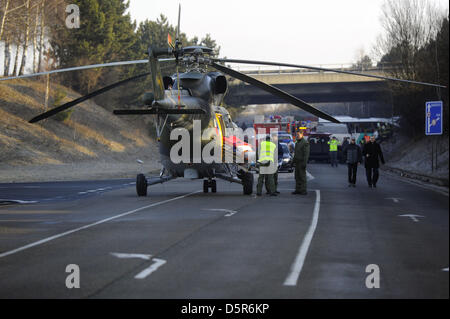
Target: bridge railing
(268, 70)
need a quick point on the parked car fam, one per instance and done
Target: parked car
(284, 137)
(284, 159)
(319, 150)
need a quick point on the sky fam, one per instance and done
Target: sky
(314, 32)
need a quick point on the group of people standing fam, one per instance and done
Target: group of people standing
(372, 155)
(267, 151)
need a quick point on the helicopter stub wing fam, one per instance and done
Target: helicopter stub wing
(159, 111)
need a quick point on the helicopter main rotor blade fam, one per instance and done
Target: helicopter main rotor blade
(325, 69)
(84, 67)
(83, 98)
(275, 91)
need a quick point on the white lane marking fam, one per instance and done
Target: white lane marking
(297, 266)
(45, 240)
(228, 211)
(19, 187)
(445, 269)
(309, 176)
(146, 272)
(99, 189)
(18, 201)
(395, 199)
(412, 216)
(141, 256)
(230, 214)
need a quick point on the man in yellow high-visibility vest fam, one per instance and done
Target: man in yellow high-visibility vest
(267, 165)
(334, 151)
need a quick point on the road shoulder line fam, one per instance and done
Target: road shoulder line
(297, 266)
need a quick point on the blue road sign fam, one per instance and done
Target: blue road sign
(433, 118)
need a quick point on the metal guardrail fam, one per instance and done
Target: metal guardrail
(417, 176)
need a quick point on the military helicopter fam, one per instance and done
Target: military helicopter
(195, 96)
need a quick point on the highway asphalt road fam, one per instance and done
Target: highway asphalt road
(181, 243)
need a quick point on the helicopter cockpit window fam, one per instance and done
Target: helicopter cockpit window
(183, 92)
(168, 82)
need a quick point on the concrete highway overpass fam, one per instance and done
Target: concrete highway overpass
(312, 87)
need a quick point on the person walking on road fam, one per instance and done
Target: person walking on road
(301, 156)
(267, 167)
(333, 151)
(372, 155)
(353, 154)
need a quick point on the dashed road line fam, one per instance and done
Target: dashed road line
(126, 256)
(148, 271)
(413, 217)
(17, 201)
(309, 176)
(228, 211)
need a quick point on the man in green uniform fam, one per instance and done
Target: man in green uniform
(267, 167)
(301, 156)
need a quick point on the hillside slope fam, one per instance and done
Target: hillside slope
(92, 143)
(414, 156)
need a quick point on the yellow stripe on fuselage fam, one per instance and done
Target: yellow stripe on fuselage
(218, 118)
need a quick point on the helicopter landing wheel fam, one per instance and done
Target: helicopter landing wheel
(141, 185)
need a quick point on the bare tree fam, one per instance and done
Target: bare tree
(7, 54)
(16, 58)
(409, 25)
(26, 36)
(5, 13)
(41, 35)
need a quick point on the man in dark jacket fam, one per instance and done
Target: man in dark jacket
(353, 155)
(343, 147)
(372, 155)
